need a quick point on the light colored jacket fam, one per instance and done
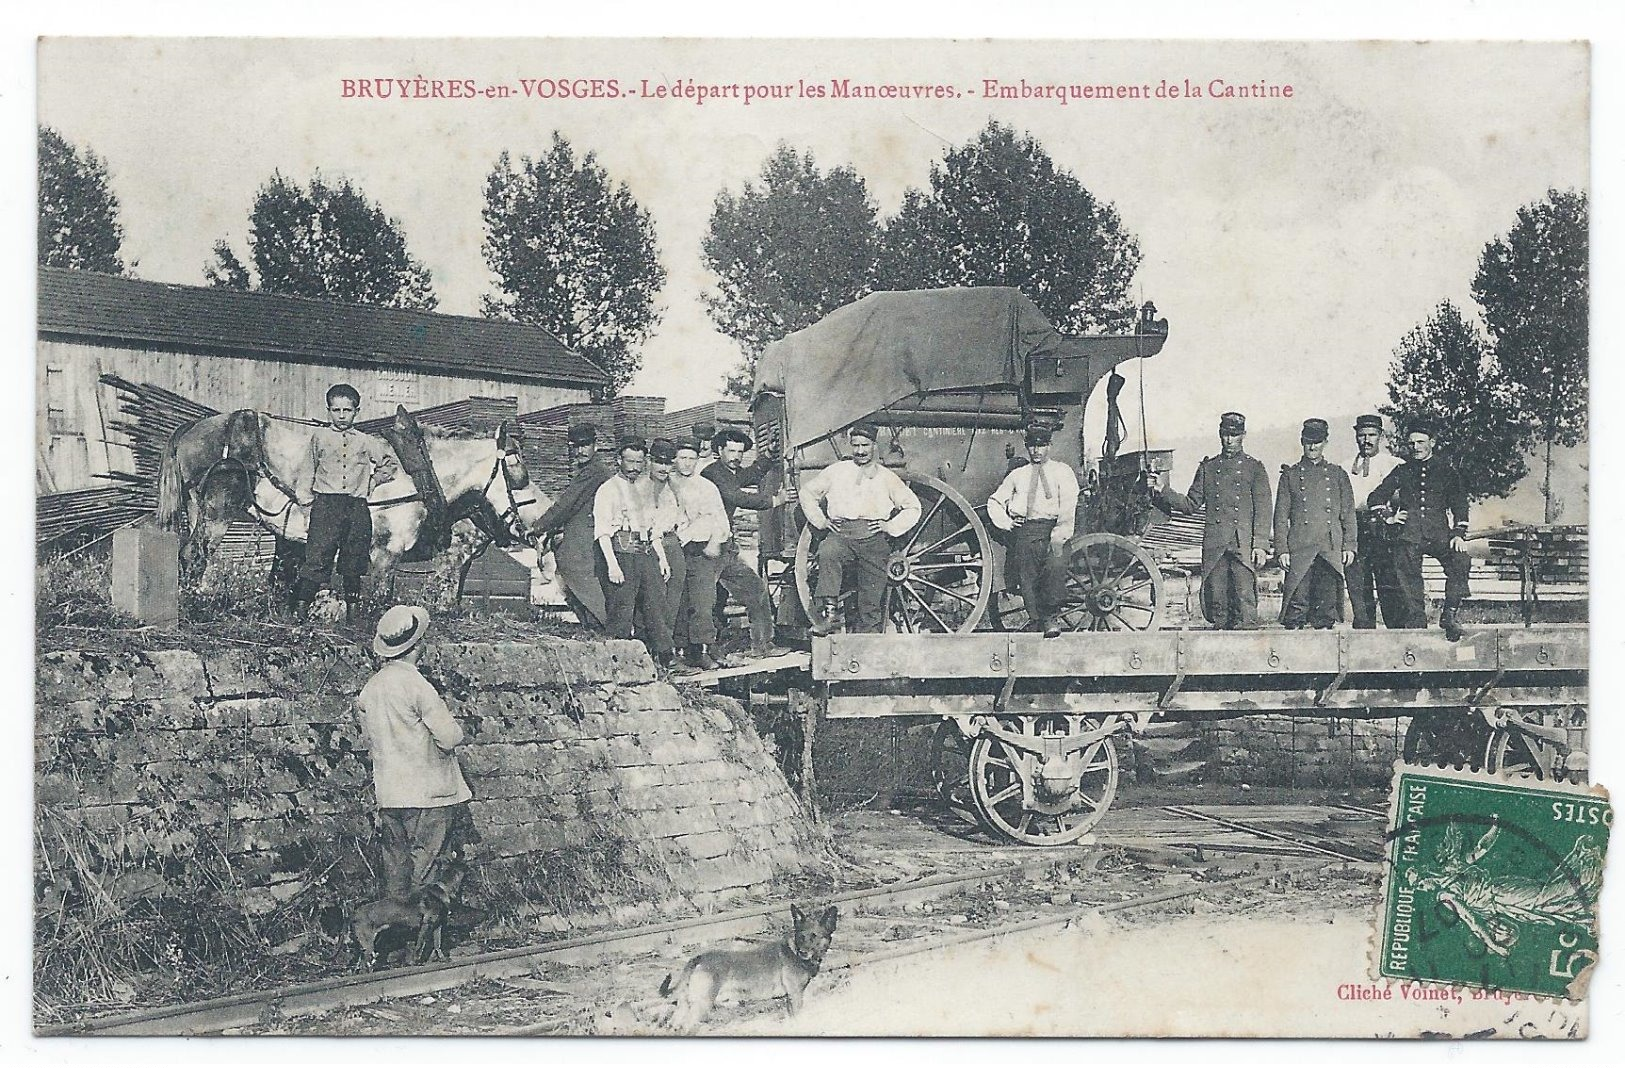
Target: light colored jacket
(411, 734)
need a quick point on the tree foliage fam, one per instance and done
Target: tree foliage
(1443, 371)
(790, 248)
(78, 213)
(1000, 213)
(575, 253)
(327, 241)
(1534, 287)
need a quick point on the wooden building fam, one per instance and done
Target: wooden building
(230, 349)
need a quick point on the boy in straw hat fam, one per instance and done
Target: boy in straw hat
(412, 735)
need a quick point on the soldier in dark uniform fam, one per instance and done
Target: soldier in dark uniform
(1315, 533)
(1234, 489)
(1425, 504)
(569, 521)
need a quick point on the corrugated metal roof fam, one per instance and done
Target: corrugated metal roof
(82, 304)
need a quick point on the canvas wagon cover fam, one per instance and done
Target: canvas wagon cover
(887, 347)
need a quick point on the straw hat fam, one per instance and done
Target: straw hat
(400, 630)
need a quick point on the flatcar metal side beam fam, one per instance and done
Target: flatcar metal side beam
(851, 703)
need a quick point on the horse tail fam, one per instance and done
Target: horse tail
(171, 481)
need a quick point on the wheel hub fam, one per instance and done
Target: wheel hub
(1104, 599)
(897, 569)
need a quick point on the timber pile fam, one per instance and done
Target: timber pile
(476, 415)
(146, 417)
(1560, 554)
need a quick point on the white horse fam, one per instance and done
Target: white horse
(481, 478)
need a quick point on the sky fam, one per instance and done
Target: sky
(1290, 242)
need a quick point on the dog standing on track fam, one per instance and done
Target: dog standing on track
(780, 970)
(423, 916)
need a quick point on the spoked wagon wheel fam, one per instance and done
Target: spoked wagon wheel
(936, 576)
(1111, 584)
(1043, 780)
(1447, 736)
(1541, 750)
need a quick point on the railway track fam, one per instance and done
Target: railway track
(883, 923)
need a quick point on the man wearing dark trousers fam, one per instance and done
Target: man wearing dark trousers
(703, 529)
(345, 465)
(665, 515)
(634, 562)
(1314, 533)
(736, 483)
(1424, 503)
(569, 523)
(1234, 490)
(1371, 576)
(1037, 503)
(860, 506)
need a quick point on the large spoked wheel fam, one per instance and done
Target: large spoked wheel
(1111, 584)
(1542, 749)
(936, 575)
(1043, 780)
(950, 769)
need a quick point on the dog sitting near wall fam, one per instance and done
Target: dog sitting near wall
(400, 923)
(780, 970)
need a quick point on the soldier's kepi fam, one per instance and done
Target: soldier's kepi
(1234, 490)
(1037, 504)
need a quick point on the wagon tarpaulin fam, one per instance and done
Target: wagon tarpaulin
(887, 347)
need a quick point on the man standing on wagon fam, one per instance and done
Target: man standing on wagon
(634, 561)
(861, 506)
(345, 465)
(1038, 504)
(569, 522)
(1234, 490)
(740, 487)
(1314, 533)
(1425, 502)
(1371, 576)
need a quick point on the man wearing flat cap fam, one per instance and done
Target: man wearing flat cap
(1234, 491)
(860, 506)
(569, 523)
(1371, 576)
(1037, 503)
(1315, 533)
(1425, 505)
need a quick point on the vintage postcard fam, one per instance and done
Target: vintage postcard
(814, 537)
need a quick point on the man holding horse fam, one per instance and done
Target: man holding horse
(569, 523)
(345, 466)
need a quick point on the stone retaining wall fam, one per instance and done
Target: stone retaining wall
(595, 784)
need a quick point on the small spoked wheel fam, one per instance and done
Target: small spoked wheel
(1043, 780)
(1526, 753)
(1111, 584)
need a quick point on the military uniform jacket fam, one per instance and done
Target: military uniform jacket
(1432, 496)
(1314, 518)
(1235, 491)
(575, 554)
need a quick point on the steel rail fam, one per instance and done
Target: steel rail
(1364, 857)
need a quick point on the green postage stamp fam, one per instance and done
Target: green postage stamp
(1492, 882)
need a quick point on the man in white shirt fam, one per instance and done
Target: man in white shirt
(665, 514)
(635, 566)
(703, 530)
(861, 506)
(1371, 576)
(1037, 504)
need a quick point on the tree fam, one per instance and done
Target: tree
(329, 242)
(1000, 213)
(1534, 287)
(573, 252)
(787, 252)
(1443, 371)
(78, 213)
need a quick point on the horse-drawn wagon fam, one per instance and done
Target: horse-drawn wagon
(1031, 726)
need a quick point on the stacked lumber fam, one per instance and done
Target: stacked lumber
(67, 520)
(476, 415)
(147, 417)
(1559, 554)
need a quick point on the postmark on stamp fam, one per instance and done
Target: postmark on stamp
(1492, 882)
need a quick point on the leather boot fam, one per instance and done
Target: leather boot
(352, 611)
(699, 657)
(304, 592)
(1447, 620)
(829, 621)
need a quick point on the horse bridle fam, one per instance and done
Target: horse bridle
(509, 516)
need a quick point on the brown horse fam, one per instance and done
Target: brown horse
(482, 478)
